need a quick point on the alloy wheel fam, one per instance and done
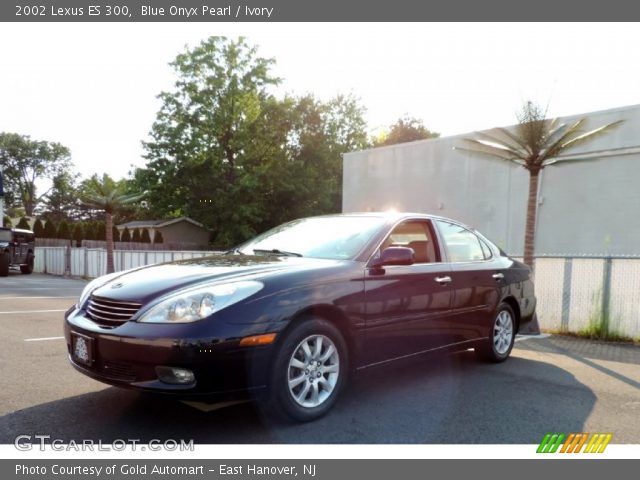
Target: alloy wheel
(314, 368)
(503, 332)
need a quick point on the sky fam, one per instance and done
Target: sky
(93, 87)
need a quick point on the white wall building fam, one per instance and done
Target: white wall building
(586, 208)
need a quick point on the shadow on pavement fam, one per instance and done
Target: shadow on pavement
(433, 399)
(594, 349)
(585, 351)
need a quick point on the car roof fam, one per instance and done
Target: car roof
(395, 216)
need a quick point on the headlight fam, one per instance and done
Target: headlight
(193, 305)
(94, 284)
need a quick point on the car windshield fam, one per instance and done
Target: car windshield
(340, 237)
(5, 235)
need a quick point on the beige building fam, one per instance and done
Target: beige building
(183, 230)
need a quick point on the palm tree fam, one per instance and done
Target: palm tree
(106, 194)
(535, 143)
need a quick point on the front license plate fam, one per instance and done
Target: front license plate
(82, 349)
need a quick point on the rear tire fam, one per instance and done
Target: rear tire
(498, 346)
(5, 262)
(28, 268)
(309, 371)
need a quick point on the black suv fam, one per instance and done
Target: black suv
(17, 249)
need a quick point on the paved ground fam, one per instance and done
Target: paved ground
(550, 384)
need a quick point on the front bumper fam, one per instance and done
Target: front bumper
(127, 356)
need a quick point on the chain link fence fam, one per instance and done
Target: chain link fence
(595, 296)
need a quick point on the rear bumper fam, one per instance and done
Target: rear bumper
(529, 326)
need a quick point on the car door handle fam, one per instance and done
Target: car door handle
(498, 276)
(442, 280)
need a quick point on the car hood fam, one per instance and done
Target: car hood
(144, 284)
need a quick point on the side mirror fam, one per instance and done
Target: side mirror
(395, 256)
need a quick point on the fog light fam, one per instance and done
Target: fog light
(175, 376)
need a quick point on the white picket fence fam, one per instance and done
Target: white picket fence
(92, 262)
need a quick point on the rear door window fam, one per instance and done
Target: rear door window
(462, 244)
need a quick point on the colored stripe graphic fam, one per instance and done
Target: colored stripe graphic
(570, 443)
(581, 443)
(550, 443)
(555, 442)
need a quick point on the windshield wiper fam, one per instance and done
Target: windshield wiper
(275, 251)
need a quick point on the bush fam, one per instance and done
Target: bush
(101, 231)
(157, 237)
(7, 222)
(89, 231)
(49, 229)
(24, 223)
(64, 232)
(136, 236)
(126, 235)
(115, 233)
(38, 228)
(78, 234)
(144, 236)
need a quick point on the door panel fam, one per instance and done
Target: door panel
(406, 310)
(475, 297)
(406, 307)
(475, 291)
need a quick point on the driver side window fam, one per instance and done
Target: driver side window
(416, 235)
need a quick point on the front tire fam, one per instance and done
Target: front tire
(498, 346)
(5, 262)
(28, 268)
(309, 372)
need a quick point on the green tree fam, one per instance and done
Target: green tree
(406, 129)
(78, 234)
(24, 224)
(535, 143)
(305, 139)
(105, 194)
(50, 229)
(144, 236)
(25, 161)
(115, 233)
(38, 228)
(157, 237)
(226, 152)
(136, 235)
(64, 232)
(199, 138)
(62, 199)
(126, 235)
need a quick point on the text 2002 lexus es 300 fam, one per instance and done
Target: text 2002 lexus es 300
(286, 316)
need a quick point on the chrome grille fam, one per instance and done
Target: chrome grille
(111, 313)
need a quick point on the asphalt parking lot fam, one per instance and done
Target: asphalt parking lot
(551, 383)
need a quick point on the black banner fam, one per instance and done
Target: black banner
(316, 469)
(315, 11)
